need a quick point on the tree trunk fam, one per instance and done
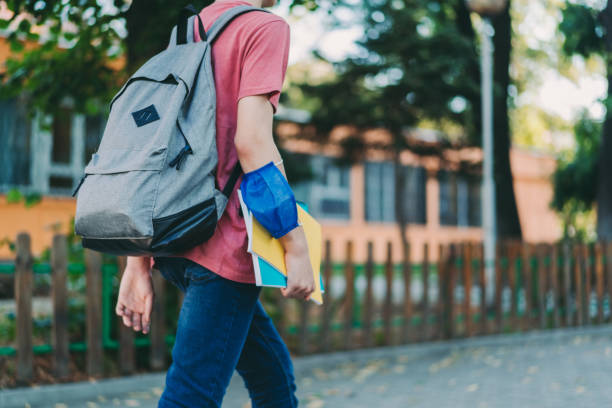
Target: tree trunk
(465, 27)
(508, 223)
(400, 193)
(604, 184)
(149, 29)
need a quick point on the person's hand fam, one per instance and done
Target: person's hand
(135, 300)
(300, 279)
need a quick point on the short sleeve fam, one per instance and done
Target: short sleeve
(265, 62)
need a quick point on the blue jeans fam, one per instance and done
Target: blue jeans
(222, 326)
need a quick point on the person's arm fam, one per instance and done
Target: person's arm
(256, 148)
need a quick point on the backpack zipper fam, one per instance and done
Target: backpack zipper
(180, 157)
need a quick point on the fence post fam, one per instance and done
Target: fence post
(482, 280)
(388, 305)
(578, 284)
(567, 284)
(349, 298)
(157, 335)
(588, 278)
(325, 324)
(425, 272)
(608, 252)
(407, 307)
(440, 311)
(527, 275)
(499, 287)
(452, 281)
(542, 285)
(368, 298)
(282, 321)
(126, 334)
(599, 281)
(23, 299)
(304, 307)
(93, 279)
(467, 289)
(513, 273)
(554, 277)
(59, 295)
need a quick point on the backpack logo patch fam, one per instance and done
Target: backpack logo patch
(145, 116)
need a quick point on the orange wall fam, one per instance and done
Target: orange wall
(51, 215)
(534, 192)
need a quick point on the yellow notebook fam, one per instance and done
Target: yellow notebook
(263, 245)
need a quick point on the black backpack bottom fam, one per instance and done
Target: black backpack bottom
(172, 234)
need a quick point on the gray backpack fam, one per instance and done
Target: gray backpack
(150, 187)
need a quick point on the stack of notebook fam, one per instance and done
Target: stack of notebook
(269, 255)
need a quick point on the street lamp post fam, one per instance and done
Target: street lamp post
(487, 9)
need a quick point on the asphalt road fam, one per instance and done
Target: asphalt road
(563, 368)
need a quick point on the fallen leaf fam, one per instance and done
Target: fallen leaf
(472, 388)
(317, 403)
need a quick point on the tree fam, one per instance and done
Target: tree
(82, 45)
(576, 176)
(508, 223)
(588, 32)
(419, 63)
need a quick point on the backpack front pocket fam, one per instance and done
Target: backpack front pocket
(118, 194)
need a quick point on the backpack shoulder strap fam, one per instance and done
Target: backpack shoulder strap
(222, 21)
(233, 178)
(182, 33)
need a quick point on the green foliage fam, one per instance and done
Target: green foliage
(80, 39)
(8, 242)
(583, 34)
(413, 65)
(576, 174)
(575, 180)
(14, 196)
(7, 329)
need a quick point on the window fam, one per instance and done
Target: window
(415, 200)
(327, 193)
(62, 137)
(474, 202)
(459, 199)
(448, 198)
(380, 193)
(15, 147)
(44, 160)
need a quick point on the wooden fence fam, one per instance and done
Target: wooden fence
(533, 287)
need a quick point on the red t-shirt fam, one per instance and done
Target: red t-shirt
(249, 58)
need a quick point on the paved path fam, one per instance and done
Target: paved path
(565, 368)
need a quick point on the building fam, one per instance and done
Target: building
(354, 202)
